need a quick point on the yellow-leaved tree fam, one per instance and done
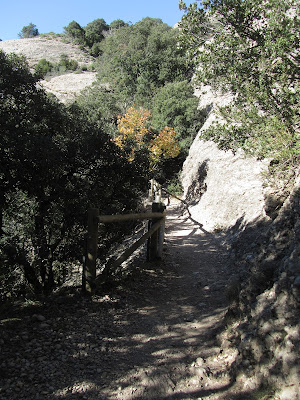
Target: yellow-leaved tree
(133, 127)
(164, 145)
(136, 133)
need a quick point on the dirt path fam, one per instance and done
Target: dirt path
(176, 323)
(154, 338)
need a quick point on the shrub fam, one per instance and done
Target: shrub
(42, 68)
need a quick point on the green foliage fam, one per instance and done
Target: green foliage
(253, 52)
(174, 186)
(95, 50)
(89, 36)
(141, 65)
(94, 31)
(42, 68)
(261, 135)
(54, 165)
(50, 35)
(65, 63)
(117, 24)
(101, 107)
(139, 59)
(28, 31)
(175, 105)
(75, 31)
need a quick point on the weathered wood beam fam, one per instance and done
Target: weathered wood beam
(129, 217)
(127, 253)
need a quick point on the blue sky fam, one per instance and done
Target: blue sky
(53, 15)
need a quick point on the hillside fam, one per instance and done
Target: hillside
(51, 48)
(66, 86)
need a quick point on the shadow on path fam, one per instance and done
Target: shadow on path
(145, 340)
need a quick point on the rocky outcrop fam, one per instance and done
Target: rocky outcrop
(265, 259)
(261, 230)
(65, 87)
(220, 186)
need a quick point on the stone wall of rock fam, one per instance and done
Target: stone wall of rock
(219, 186)
(266, 260)
(261, 230)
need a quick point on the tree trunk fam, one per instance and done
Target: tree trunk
(43, 249)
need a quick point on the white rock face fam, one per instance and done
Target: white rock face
(231, 184)
(34, 49)
(66, 87)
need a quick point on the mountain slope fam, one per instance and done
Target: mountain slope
(50, 48)
(66, 86)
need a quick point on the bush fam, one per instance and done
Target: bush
(42, 68)
(66, 64)
(175, 105)
(174, 186)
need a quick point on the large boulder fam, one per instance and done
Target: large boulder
(221, 187)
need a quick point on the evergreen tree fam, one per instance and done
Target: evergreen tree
(249, 48)
(141, 58)
(28, 31)
(75, 31)
(54, 165)
(94, 31)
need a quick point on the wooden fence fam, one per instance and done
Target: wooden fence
(154, 235)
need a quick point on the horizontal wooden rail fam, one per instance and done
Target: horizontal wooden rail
(154, 250)
(129, 217)
(127, 253)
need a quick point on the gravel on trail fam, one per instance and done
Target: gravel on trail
(152, 337)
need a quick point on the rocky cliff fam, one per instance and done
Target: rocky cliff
(260, 225)
(221, 187)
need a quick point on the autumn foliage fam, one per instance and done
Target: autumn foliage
(136, 132)
(164, 145)
(133, 126)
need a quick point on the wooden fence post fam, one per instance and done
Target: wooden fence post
(91, 250)
(151, 190)
(155, 241)
(161, 234)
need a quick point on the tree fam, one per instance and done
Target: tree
(75, 31)
(164, 145)
(101, 106)
(138, 59)
(54, 164)
(134, 128)
(136, 134)
(117, 24)
(28, 31)
(252, 52)
(94, 31)
(176, 105)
